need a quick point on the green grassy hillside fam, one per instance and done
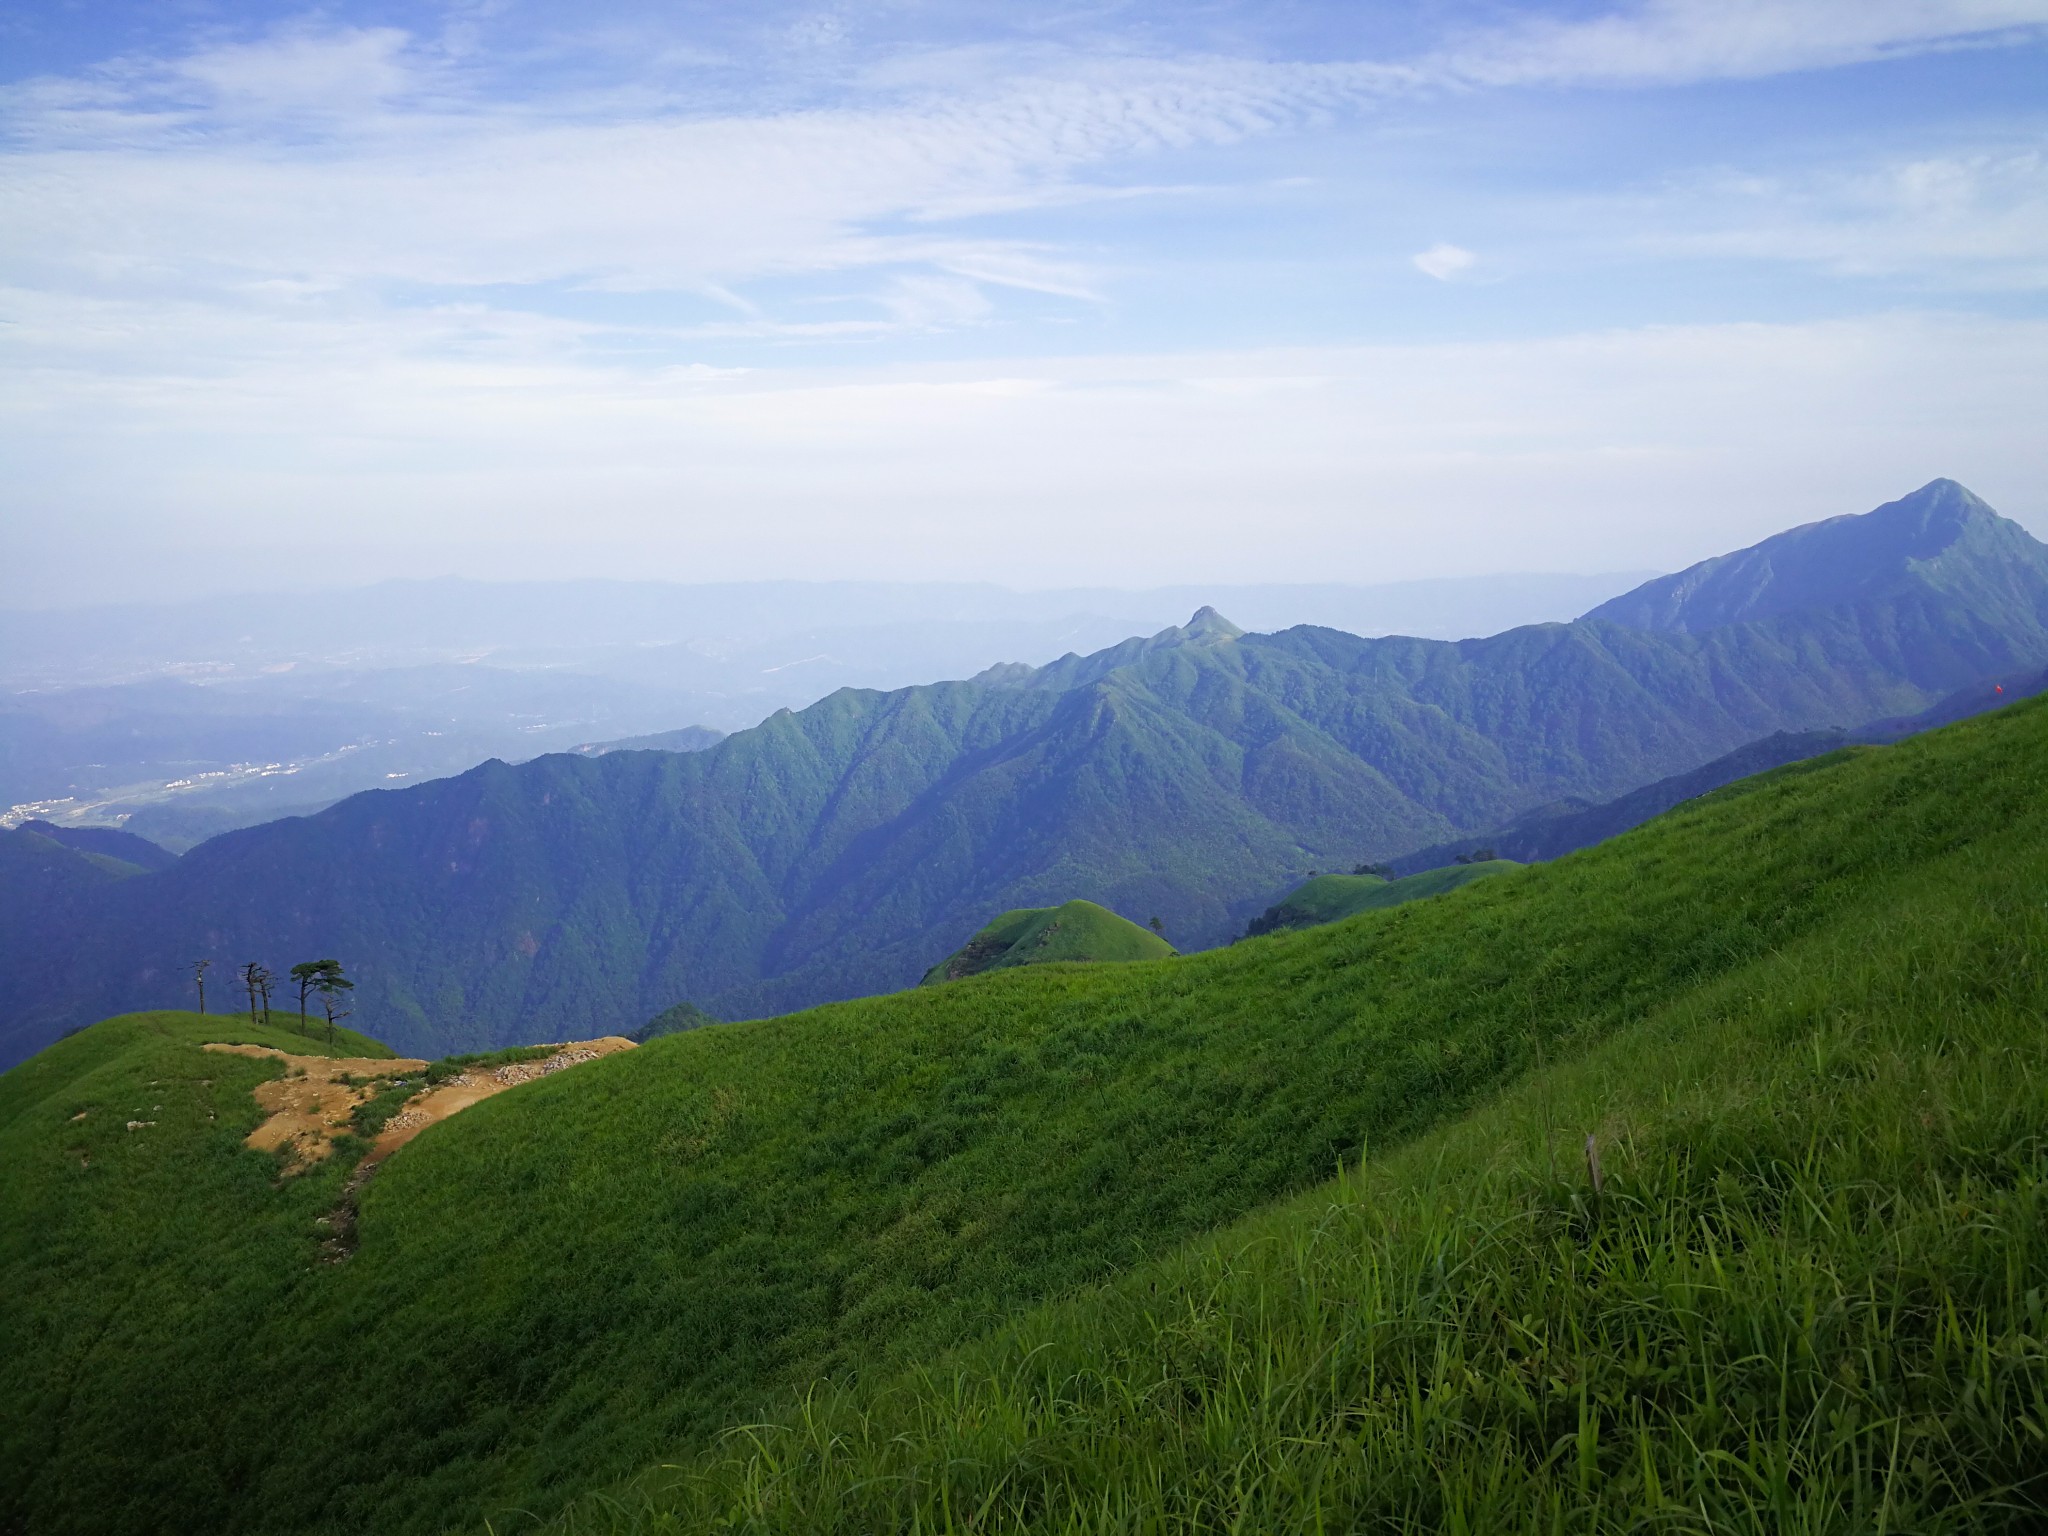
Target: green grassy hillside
(140, 1254)
(617, 1263)
(674, 1020)
(1807, 1295)
(1076, 930)
(1330, 898)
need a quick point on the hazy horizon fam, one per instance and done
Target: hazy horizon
(285, 589)
(1124, 295)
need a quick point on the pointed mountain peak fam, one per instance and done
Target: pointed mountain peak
(1840, 560)
(1938, 507)
(1208, 624)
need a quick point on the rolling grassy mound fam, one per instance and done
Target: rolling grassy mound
(616, 1264)
(1078, 930)
(1331, 898)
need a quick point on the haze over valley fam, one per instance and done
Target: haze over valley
(182, 720)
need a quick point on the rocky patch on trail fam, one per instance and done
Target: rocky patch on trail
(455, 1094)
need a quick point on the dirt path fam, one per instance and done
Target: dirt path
(467, 1088)
(317, 1097)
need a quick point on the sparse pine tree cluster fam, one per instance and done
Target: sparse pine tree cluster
(324, 977)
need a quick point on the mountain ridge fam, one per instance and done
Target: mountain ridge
(827, 853)
(1941, 537)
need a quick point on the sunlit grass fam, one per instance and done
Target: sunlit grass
(1807, 994)
(1809, 1295)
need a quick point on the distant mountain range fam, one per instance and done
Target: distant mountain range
(183, 720)
(1197, 775)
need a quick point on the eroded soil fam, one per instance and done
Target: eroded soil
(467, 1088)
(316, 1099)
(312, 1103)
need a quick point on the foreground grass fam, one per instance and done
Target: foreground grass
(123, 1249)
(570, 1280)
(1810, 1294)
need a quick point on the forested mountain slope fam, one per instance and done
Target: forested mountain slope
(1195, 775)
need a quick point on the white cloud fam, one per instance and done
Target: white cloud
(1978, 217)
(415, 185)
(1444, 262)
(506, 452)
(1677, 41)
(403, 160)
(175, 178)
(265, 286)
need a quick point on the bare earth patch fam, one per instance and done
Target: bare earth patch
(467, 1088)
(310, 1105)
(317, 1098)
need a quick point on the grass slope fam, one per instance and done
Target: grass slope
(139, 1255)
(1075, 930)
(570, 1280)
(1808, 1295)
(1331, 898)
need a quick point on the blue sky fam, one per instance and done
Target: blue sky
(1041, 294)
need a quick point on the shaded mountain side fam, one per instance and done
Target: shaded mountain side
(690, 738)
(40, 875)
(1331, 898)
(137, 852)
(831, 853)
(1551, 831)
(1074, 930)
(1974, 699)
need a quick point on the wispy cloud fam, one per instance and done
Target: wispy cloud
(338, 159)
(1678, 41)
(1977, 217)
(333, 268)
(390, 140)
(177, 173)
(1444, 262)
